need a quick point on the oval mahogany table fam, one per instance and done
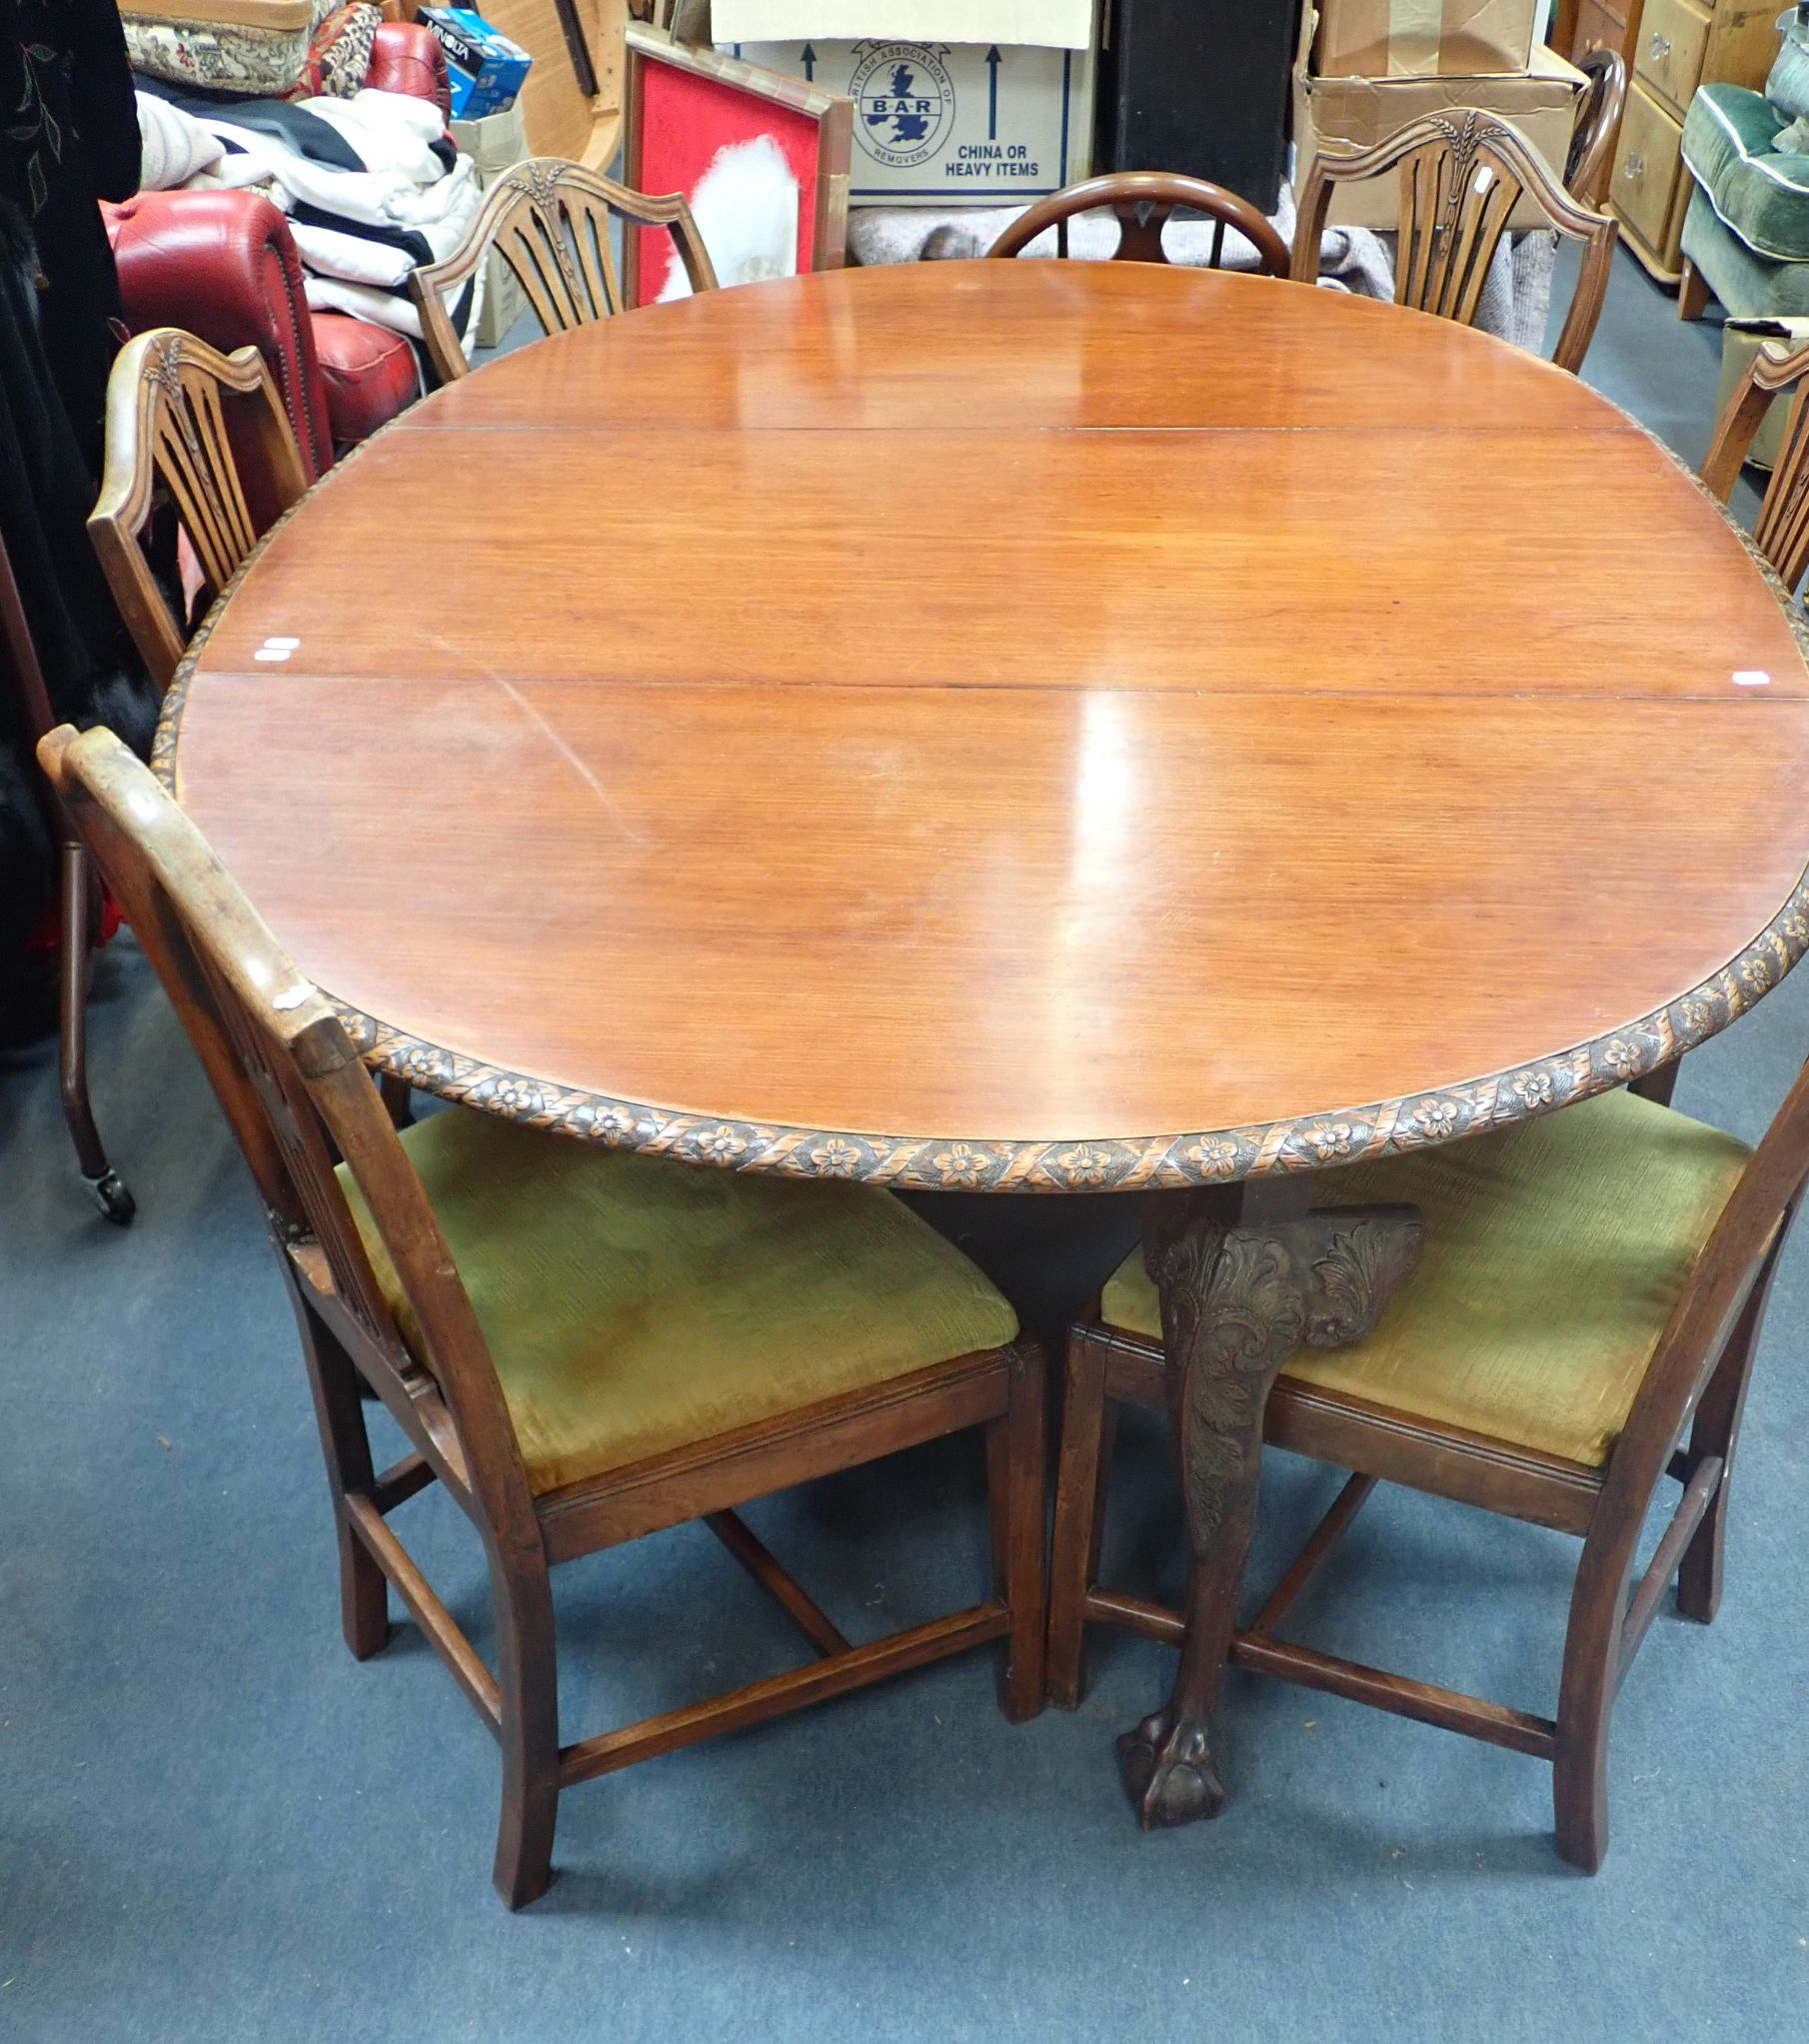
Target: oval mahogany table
(1024, 727)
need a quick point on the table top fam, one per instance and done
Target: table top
(1011, 725)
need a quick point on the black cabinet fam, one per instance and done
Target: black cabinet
(1198, 86)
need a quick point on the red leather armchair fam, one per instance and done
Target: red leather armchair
(222, 264)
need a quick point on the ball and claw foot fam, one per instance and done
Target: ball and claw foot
(112, 1197)
(1168, 1772)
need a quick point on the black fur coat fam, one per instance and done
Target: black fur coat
(69, 137)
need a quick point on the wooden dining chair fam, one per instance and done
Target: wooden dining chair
(550, 222)
(179, 416)
(1593, 1285)
(1145, 201)
(1462, 174)
(204, 434)
(580, 1343)
(1597, 125)
(1781, 529)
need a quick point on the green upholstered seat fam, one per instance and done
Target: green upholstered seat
(633, 1305)
(1759, 193)
(1555, 1250)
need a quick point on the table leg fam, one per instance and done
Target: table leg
(1241, 1290)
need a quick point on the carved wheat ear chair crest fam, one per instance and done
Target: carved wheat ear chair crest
(1592, 1285)
(583, 1344)
(1145, 201)
(550, 222)
(1462, 174)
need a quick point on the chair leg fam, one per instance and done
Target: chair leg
(1090, 1424)
(398, 1098)
(528, 1680)
(345, 1446)
(1659, 1084)
(1693, 292)
(1579, 1791)
(1717, 1431)
(1017, 1490)
(1699, 1572)
(1592, 1643)
(77, 882)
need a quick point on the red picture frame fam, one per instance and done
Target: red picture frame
(752, 150)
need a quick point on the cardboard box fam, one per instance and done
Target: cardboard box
(485, 70)
(495, 143)
(1423, 38)
(942, 124)
(1349, 114)
(1062, 23)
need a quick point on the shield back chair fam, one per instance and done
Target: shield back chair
(582, 1345)
(1781, 531)
(1145, 201)
(550, 222)
(1597, 125)
(206, 434)
(1583, 1323)
(175, 412)
(1462, 174)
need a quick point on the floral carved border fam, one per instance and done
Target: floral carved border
(1076, 1164)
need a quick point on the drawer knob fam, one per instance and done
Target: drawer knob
(1660, 46)
(1633, 165)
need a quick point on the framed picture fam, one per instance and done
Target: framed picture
(763, 160)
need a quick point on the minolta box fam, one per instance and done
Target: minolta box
(486, 70)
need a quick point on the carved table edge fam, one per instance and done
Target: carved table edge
(934, 1164)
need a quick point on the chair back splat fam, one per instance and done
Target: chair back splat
(1463, 174)
(550, 222)
(207, 433)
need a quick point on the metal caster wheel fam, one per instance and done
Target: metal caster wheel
(112, 1197)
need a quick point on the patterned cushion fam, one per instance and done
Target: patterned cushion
(1759, 193)
(259, 47)
(1555, 1250)
(633, 1305)
(339, 58)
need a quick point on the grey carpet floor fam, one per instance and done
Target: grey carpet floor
(214, 1825)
